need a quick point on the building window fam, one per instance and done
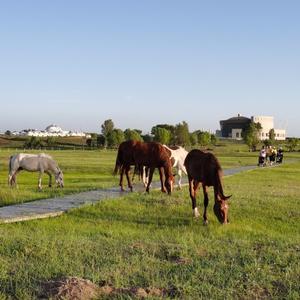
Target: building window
(237, 135)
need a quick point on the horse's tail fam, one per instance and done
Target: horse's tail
(118, 164)
(219, 185)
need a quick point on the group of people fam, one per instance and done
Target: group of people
(269, 155)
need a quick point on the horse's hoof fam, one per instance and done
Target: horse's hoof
(196, 213)
(205, 222)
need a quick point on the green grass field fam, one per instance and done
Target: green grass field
(83, 170)
(152, 240)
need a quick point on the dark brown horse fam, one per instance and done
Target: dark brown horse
(151, 155)
(204, 168)
(124, 161)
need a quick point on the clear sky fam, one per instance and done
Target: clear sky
(140, 63)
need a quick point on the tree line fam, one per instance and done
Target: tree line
(179, 134)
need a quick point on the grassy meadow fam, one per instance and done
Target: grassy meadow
(84, 170)
(153, 240)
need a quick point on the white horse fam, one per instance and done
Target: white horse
(177, 157)
(41, 163)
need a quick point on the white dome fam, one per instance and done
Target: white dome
(53, 128)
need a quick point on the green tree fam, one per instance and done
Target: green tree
(251, 135)
(182, 134)
(204, 138)
(272, 136)
(115, 138)
(147, 138)
(161, 135)
(33, 142)
(214, 139)
(194, 138)
(50, 141)
(100, 140)
(170, 128)
(8, 133)
(133, 135)
(292, 144)
(106, 129)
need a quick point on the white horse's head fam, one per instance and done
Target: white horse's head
(59, 178)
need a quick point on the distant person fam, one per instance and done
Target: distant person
(262, 157)
(273, 155)
(279, 157)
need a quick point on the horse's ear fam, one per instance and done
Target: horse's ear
(227, 197)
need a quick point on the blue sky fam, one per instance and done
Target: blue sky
(77, 63)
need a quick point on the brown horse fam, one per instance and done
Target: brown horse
(203, 167)
(151, 155)
(124, 161)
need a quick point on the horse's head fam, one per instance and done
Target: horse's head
(221, 209)
(169, 183)
(59, 179)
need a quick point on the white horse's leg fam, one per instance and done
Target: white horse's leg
(179, 177)
(40, 180)
(144, 176)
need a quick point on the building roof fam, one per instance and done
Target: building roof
(239, 119)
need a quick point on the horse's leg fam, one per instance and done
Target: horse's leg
(127, 170)
(13, 180)
(144, 172)
(50, 179)
(40, 180)
(161, 177)
(121, 178)
(193, 198)
(151, 171)
(179, 173)
(205, 221)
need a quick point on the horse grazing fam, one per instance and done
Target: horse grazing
(151, 155)
(177, 156)
(203, 167)
(41, 163)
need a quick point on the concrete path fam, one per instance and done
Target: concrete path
(56, 206)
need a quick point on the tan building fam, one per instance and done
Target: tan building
(235, 126)
(267, 123)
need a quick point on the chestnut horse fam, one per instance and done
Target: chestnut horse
(151, 155)
(203, 167)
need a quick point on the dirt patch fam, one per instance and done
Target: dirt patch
(70, 288)
(138, 292)
(74, 288)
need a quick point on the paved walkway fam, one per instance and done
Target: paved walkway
(56, 206)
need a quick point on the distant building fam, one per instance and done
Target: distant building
(51, 130)
(267, 123)
(234, 127)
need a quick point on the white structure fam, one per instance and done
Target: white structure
(267, 123)
(51, 130)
